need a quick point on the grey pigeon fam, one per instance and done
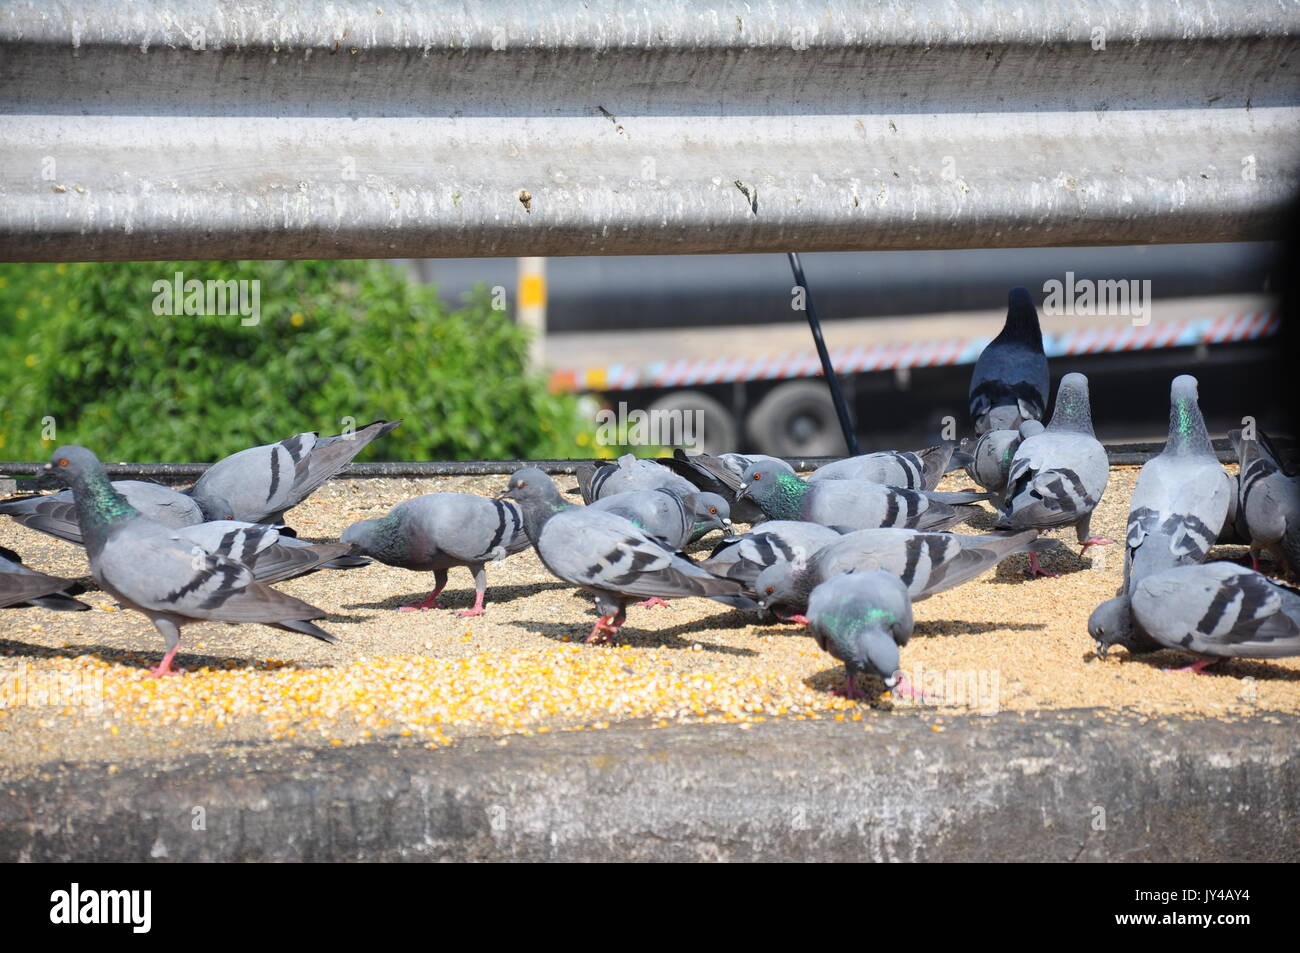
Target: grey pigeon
(1058, 476)
(926, 563)
(720, 474)
(56, 514)
(1213, 610)
(1182, 494)
(990, 459)
(146, 566)
(776, 542)
(608, 555)
(19, 585)
(439, 531)
(272, 556)
(1268, 502)
(673, 520)
(607, 478)
(852, 504)
(910, 470)
(261, 483)
(1010, 381)
(862, 618)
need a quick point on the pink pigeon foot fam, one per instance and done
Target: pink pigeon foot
(652, 602)
(1095, 541)
(1255, 564)
(478, 607)
(1036, 569)
(430, 602)
(904, 688)
(603, 631)
(1199, 666)
(165, 666)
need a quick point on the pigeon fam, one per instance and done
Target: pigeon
(1182, 494)
(438, 531)
(1212, 610)
(605, 478)
(1268, 502)
(608, 555)
(146, 566)
(862, 618)
(776, 542)
(718, 474)
(990, 458)
(272, 556)
(673, 520)
(20, 585)
(919, 470)
(261, 483)
(926, 563)
(852, 504)
(1058, 476)
(1010, 381)
(56, 514)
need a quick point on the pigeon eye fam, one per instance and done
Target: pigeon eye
(63, 462)
(522, 484)
(713, 509)
(770, 590)
(758, 476)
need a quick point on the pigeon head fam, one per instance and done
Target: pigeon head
(531, 485)
(774, 486)
(1022, 316)
(1072, 411)
(1030, 428)
(709, 511)
(360, 534)
(777, 589)
(70, 464)
(214, 508)
(1186, 425)
(1111, 624)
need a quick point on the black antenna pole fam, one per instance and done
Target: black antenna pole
(833, 382)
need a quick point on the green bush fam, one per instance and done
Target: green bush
(81, 344)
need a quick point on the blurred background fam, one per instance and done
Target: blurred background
(512, 358)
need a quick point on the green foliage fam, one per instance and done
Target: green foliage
(80, 343)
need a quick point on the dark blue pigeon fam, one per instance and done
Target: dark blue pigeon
(1010, 382)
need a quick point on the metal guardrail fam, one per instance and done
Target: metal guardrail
(256, 129)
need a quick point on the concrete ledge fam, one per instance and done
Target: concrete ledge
(1007, 788)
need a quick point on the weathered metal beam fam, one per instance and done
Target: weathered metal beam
(257, 129)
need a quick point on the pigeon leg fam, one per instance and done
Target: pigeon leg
(797, 619)
(1094, 541)
(172, 633)
(851, 690)
(431, 601)
(1036, 570)
(606, 627)
(1199, 666)
(652, 602)
(480, 590)
(905, 688)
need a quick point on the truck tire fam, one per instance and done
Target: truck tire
(715, 429)
(796, 420)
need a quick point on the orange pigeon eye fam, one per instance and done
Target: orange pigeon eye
(63, 462)
(713, 509)
(758, 476)
(770, 590)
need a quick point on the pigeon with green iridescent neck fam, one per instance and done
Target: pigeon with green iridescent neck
(22, 586)
(1058, 476)
(852, 504)
(56, 514)
(907, 469)
(862, 619)
(608, 555)
(718, 474)
(1010, 382)
(1212, 610)
(439, 531)
(1268, 501)
(926, 563)
(148, 567)
(675, 520)
(1182, 495)
(626, 474)
(773, 543)
(261, 483)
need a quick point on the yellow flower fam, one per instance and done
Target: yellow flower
(31, 360)
(296, 319)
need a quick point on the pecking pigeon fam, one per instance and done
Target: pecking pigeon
(607, 478)
(261, 483)
(851, 504)
(1213, 610)
(926, 563)
(1010, 381)
(1268, 502)
(146, 566)
(776, 542)
(673, 520)
(909, 470)
(1182, 494)
(438, 531)
(1057, 477)
(19, 585)
(862, 618)
(608, 555)
(56, 514)
(718, 474)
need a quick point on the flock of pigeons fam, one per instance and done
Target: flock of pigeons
(844, 552)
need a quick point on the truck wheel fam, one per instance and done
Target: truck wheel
(713, 428)
(796, 420)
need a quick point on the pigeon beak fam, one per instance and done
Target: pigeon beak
(1102, 649)
(48, 468)
(742, 491)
